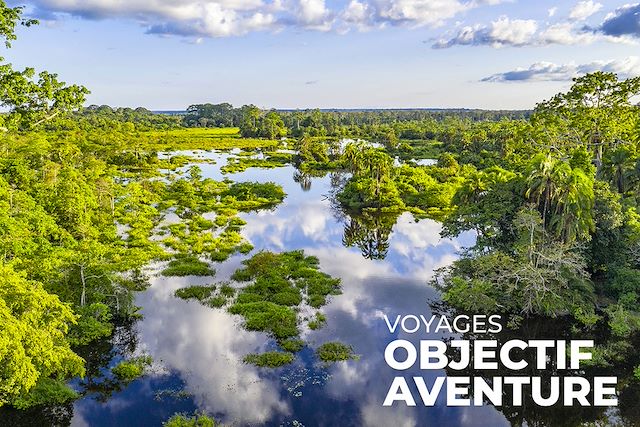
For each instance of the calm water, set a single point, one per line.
(198, 351)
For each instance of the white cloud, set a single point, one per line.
(313, 14)
(564, 33)
(548, 71)
(358, 14)
(502, 32)
(206, 348)
(420, 12)
(223, 18)
(516, 32)
(208, 18)
(584, 9)
(552, 11)
(624, 68)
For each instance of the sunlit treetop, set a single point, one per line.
(598, 109)
(31, 99)
(9, 18)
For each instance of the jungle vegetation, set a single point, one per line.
(88, 202)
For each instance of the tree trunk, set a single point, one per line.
(83, 297)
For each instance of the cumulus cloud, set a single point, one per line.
(517, 32)
(196, 18)
(359, 15)
(222, 18)
(313, 14)
(564, 33)
(502, 32)
(548, 71)
(624, 21)
(584, 9)
(420, 12)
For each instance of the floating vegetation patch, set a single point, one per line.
(207, 294)
(292, 345)
(227, 290)
(280, 285)
(279, 321)
(285, 279)
(187, 265)
(335, 352)
(271, 160)
(217, 301)
(270, 359)
(200, 293)
(185, 420)
(318, 321)
(131, 369)
(218, 237)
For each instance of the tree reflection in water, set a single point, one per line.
(304, 179)
(370, 233)
(99, 383)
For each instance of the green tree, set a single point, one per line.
(30, 99)
(596, 112)
(33, 325)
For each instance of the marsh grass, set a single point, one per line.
(217, 301)
(271, 160)
(185, 420)
(278, 320)
(292, 345)
(335, 352)
(203, 139)
(187, 265)
(200, 293)
(318, 321)
(271, 359)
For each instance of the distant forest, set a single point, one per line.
(380, 124)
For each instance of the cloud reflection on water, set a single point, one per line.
(204, 347)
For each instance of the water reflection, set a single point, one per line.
(370, 233)
(206, 348)
(384, 264)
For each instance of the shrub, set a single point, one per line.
(292, 345)
(268, 317)
(195, 292)
(129, 370)
(183, 420)
(318, 321)
(188, 265)
(271, 359)
(334, 352)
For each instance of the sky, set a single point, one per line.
(168, 54)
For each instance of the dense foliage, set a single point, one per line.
(88, 201)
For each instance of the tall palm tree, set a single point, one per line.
(546, 174)
(619, 167)
(474, 187)
(574, 206)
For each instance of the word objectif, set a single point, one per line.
(444, 369)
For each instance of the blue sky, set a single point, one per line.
(165, 54)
